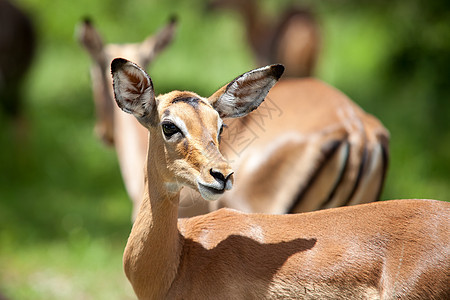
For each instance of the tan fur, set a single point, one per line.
(385, 250)
(375, 251)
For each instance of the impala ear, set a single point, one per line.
(133, 89)
(245, 93)
(91, 40)
(154, 44)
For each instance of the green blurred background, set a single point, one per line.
(64, 212)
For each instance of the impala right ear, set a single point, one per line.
(133, 89)
(246, 92)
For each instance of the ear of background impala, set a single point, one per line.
(154, 44)
(291, 37)
(91, 40)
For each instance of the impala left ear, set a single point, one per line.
(133, 89)
(245, 93)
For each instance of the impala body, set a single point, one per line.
(383, 250)
(312, 148)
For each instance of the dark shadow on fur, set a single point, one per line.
(253, 261)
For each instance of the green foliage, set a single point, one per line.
(64, 213)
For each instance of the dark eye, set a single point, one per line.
(221, 130)
(169, 129)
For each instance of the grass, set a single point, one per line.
(79, 268)
(64, 214)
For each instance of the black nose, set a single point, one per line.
(219, 176)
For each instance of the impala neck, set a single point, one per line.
(153, 249)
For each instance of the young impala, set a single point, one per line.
(112, 125)
(383, 250)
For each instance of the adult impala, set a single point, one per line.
(307, 147)
(383, 250)
(112, 125)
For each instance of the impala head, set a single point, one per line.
(142, 53)
(185, 128)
